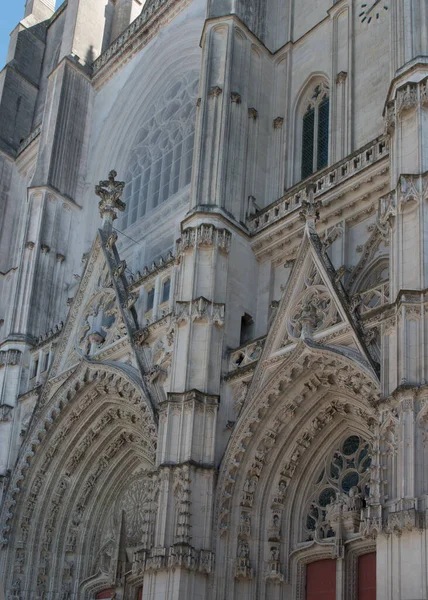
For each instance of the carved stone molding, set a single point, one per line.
(180, 555)
(192, 397)
(405, 520)
(109, 380)
(10, 358)
(200, 309)
(205, 235)
(407, 97)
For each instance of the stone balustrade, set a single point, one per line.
(121, 42)
(374, 298)
(246, 355)
(323, 181)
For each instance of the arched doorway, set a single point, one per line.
(87, 484)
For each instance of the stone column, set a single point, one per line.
(403, 217)
(223, 125)
(182, 552)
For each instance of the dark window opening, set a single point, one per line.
(315, 135)
(308, 143)
(150, 299)
(35, 368)
(247, 328)
(166, 290)
(323, 124)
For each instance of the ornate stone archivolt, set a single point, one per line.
(286, 414)
(80, 432)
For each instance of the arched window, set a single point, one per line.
(160, 162)
(315, 129)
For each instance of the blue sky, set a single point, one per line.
(11, 13)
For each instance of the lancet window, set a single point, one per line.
(341, 486)
(160, 163)
(315, 130)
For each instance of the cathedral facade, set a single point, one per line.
(213, 301)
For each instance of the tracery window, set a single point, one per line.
(160, 162)
(315, 130)
(344, 479)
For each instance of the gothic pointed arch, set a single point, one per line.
(311, 131)
(83, 484)
(309, 407)
(315, 387)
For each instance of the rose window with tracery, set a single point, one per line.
(342, 482)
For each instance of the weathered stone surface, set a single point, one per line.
(222, 379)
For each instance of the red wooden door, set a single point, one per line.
(367, 576)
(105, 594)
(321, 580)
(140, 594)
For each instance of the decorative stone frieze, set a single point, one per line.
(180, 555)
(200, 309)
(205, 235)
(405, 520)
(407, 97)
(10, 358)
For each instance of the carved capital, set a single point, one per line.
(253, 113)
(215, 91)
(341, 77)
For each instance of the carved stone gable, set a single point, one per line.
(315, 311)
(97, 322)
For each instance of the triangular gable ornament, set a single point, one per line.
(314, 312)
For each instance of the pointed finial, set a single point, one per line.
(110, 192)
(310, 211)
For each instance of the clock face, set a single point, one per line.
(372, 10)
